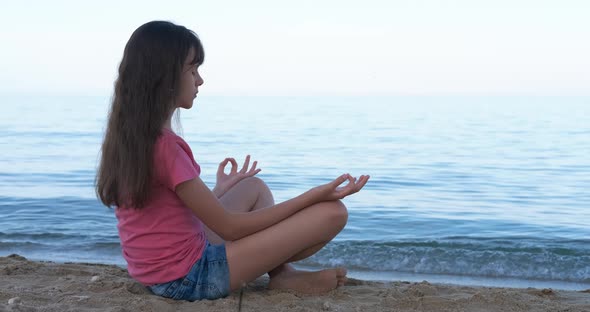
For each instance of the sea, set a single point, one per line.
(468, 190)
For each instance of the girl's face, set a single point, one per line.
(189, 83)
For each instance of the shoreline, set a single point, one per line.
(49, 286)
(465, 280)
(388, 276)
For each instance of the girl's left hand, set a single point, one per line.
(227, 181)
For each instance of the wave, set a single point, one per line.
(551, 260)
(55, 238)
(554, 260)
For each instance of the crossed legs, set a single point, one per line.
(271, 250)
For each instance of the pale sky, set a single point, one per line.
(257, 47)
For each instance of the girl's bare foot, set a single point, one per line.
(341, 276)
(309, 282)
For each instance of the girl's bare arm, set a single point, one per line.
(232, 226)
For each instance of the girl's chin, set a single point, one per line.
(187, 104)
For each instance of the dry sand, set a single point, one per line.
(45, 286)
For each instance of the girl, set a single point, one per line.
(179, 238)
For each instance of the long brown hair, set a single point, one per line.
(144, 98)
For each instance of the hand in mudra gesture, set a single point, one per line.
(227, 181)
(333, 190)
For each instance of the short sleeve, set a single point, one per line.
(174, 165)
(182, 169)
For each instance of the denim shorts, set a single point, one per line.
(207, 279)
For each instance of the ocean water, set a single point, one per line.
(469, 190)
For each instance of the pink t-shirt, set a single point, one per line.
(163, 240)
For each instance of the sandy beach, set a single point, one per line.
(47, 286)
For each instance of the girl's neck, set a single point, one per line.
(168, 123)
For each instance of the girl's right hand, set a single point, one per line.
(227, 181)
(333, 191)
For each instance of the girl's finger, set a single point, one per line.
(222, 165)
(253, 167)
(339, 180)
(350, 186)
(360, 183)
(253, 173)
(246, 164)
(234, 165)
(347, 189)
(354, 185)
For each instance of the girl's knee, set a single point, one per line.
(337, 214)
(255, 183)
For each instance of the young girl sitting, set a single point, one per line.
(179, 238)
